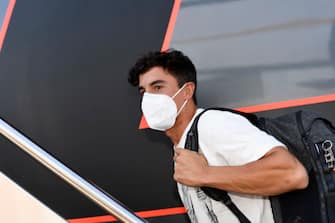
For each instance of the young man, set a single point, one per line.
(234, 155)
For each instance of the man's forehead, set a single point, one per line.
(155, 75)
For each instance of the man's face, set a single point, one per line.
(159, 81)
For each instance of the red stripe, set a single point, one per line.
(170, 28)
(5, 23)
(289, 103)
(143, 214)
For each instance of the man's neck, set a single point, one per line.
(183, 119)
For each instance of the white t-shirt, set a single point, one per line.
(227, 139)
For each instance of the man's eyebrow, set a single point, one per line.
(141, 88)
(157, 82)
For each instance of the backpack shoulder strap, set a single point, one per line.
(192, 143)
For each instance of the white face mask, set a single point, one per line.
(160, 110)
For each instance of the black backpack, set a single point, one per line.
(311, 139)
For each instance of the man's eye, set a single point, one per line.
(158, 88)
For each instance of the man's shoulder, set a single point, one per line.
(217, 117)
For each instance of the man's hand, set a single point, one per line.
(190, 167)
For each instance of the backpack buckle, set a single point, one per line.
(327, 147)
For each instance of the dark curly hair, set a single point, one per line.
(173, 61)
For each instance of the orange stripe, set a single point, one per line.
(166, 43)
(256, 108)
(277, 105)
(170, 28)
(5, 23)
(289, 103)
(143, 123)
(143, 214)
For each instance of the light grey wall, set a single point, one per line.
(3, 7)
(260, 51)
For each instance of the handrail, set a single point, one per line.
(101, 198)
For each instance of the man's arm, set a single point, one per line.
(276, 172)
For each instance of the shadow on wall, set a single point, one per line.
(330, 82)
(332, 46)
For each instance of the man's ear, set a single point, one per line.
(189, 90)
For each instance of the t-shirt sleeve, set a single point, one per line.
(234, 138)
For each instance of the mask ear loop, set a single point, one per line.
(178, 91)
(184, 104)
(182, 107)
